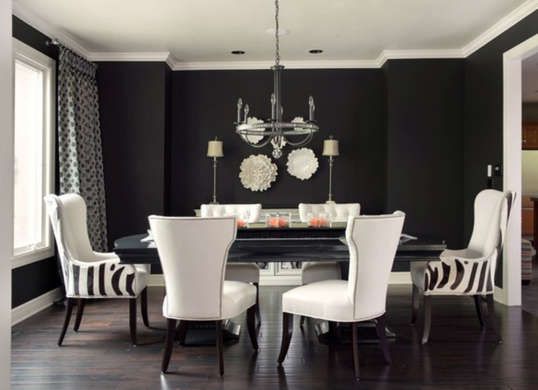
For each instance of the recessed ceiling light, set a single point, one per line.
(315, 51)
(237, 52)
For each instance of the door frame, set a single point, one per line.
(510, 293)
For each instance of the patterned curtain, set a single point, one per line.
(79, 140)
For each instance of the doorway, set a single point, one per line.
(510, 293)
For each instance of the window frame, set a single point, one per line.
(30, 56)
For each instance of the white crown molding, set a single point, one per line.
(320, 64)
(46, 28)
(417, 54)
(501, 26)
(498, 28)
(130, 56)
(291, 64)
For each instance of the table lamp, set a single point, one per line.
(330, 149)
(214, 150)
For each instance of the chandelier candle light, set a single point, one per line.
(275, 130)
(214, 149)
(330, 149)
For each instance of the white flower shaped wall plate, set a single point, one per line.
(257, 172)
(252, 137)
(302, 163)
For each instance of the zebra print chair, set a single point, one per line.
(87, 274)
(470, 271)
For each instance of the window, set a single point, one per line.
(34, 113)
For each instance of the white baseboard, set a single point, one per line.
(400, 278)
(34, 306)
(156, 280)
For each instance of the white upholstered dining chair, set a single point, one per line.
(470, 271)
(88, 274)
(248, 213)
(372, 242)
(336, 212)
(193, 253)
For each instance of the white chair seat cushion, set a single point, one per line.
(326, 300)
(236, 298)
(318, 271)
(243, 272)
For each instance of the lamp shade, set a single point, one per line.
(214, 148)
(330, 147)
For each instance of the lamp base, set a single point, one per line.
(330, 202)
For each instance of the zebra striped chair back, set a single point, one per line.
(88, 274)
(471, 271)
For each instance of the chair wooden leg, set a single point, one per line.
(218, 327)
(355, 347)
(132, 319)
(415, 304)
(478, 307)
(301, 321)
(427, 319)
(383, 343)
(182, 331)
(287, 330)
(332, 331)
(144, 306)
(251, 326)
(70, 302)
(80, 312)
(492, 321)
(169, 344)
(258, 314)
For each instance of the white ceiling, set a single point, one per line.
(207, 30)
(530, 79)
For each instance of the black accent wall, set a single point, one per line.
(424, 145)
(483, 129)
(483, 123)
(350, 105)
(133, 114)
(35, 279)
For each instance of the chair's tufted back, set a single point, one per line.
(337, 212)
(249, 213)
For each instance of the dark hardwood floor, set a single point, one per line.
(459, 355)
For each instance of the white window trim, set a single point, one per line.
(25, 53)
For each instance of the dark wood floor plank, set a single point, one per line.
(458, 356)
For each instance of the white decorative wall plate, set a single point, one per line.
(257, 172)
(252, 137)
(302, 163)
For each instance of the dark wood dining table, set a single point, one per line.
(259, 244)
(263, 244)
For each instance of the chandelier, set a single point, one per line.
(259, 133)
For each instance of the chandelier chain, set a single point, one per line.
(277, 38)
